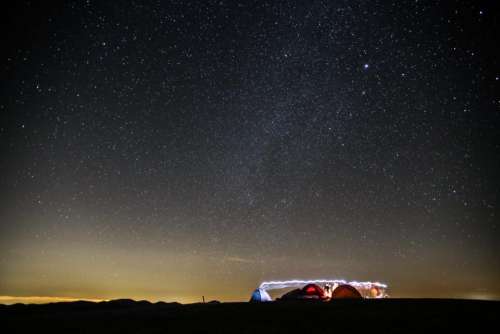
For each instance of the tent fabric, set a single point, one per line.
(314, 290)
(292, 295)
(346, 291)
(260, 295)
(308, 292)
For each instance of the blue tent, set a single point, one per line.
(260, 295)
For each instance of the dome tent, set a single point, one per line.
(308, 292)
(321, 289)
(314, 291)
(346, 291)
(292, 295)
(260, 295)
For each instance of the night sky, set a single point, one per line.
(169, 150)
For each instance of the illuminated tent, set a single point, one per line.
(314, 291)
(260, 295)
(310, 291)
(346, 291)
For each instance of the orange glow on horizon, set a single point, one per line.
(8, 300)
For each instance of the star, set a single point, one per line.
(287, 135)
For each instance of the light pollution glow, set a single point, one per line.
(8, 300)
(200, 155)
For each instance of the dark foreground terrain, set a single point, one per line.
(126, 316)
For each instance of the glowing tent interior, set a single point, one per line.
(320, 289)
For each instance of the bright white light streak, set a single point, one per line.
(271, 285)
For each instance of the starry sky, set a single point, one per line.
(166, 150)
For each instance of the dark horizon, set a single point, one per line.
(170, 150)
(356, 316)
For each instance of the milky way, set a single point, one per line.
(169, 150)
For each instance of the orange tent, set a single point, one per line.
(346, 291)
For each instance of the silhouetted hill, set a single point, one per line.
(128, 316)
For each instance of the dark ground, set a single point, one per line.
(126, 316)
